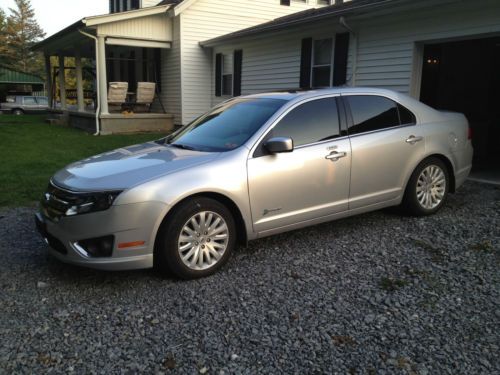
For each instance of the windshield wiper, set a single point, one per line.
(180, 145)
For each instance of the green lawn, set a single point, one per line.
(31, 151)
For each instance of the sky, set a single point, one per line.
(55, 15)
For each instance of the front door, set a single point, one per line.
(308, 183)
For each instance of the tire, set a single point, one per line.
(17, 112)
(181, 238)
(427, 188)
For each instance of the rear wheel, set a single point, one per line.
(196, 240)
(17, 112)
(428, 188)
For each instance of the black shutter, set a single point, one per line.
(111, 6)
(340, 59)
(285, 2)
(305, 63)
(218, 74)
(237, 65)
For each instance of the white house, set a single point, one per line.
(156, 42)
(443, 52)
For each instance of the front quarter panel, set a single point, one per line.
(226, 175)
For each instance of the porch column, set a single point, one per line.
(79, 82)
(48, 73)
(103, 79)
(62, 82)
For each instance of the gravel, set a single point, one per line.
(378, 293)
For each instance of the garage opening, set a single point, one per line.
(464, 76)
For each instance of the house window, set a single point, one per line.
(324, 2)
(321, 70)
(285, 2)
(227, 75)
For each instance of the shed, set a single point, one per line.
(13, 82)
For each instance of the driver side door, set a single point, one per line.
(308, 183)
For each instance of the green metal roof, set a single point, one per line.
(12, 76)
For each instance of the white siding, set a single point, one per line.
(156, 27)
(272, 63)
(171, 75)
(386, 45)
(149, 3)
(207, 19)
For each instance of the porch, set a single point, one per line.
(87, 61)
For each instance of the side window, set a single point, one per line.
(406, 116)
(42, 101)
(371, 113)
(310, 122)
(29, 100)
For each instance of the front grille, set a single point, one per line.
(57, 201)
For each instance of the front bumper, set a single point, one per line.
(127, 223)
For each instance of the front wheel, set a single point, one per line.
(18, 112)
(196, 240)
(427, 188)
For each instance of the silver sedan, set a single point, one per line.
(252, 167)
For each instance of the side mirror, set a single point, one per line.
(277, 145)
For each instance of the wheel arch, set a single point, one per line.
(449, 166)
(447, 162)
(241, 232)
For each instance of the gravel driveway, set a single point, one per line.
(374, 294)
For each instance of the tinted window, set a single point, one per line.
(406, 116)
(372, 113)
(310, 122)
(227, 126)
(29, 100)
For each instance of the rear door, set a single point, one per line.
(386, 145)
(42, 103)
(29, 104)
(308, 183)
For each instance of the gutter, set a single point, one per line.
(98, 76)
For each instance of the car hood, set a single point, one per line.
(126, 167)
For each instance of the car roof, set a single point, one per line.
(305, 94)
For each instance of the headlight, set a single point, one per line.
(92, 202)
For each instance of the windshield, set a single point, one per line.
(227, 126)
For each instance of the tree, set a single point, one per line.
(3, 39)
(22, 31)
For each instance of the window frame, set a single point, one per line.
(332, 57)
(350, 120)
(225, 57)
(257, 149)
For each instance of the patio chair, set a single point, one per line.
(145, 96)
(117, 95)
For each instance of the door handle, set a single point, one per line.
(412, 139)
(335, 155)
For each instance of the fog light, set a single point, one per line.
(97, 247)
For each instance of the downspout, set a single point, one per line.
(98, 109)
(344, 24)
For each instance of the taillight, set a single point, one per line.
(469, 133)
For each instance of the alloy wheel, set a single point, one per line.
(431, 187)
(203, 240)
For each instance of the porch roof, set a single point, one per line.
(139, 28)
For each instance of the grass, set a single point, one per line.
(31, 151)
